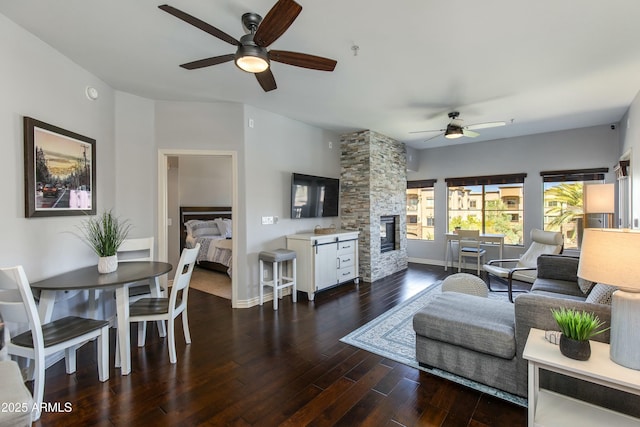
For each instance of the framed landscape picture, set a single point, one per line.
(60, 172)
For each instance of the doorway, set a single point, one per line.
(164, 156)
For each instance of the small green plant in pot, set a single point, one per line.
(104, 234)
(577, 328)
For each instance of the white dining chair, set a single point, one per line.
(161, 309)
(469, 246)
(141, 249)
(19, 312)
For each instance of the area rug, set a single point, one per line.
(211, 282)
(391, 335)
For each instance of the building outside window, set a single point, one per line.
(563, 195)
(491, 204)
(420, 210)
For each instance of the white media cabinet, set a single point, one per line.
(324, 260)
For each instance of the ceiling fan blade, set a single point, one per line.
(276, 22)
(470, 133)
(189, 19)
(433, 137)
(303, 60)
(425, 131)
(266, 80)
(485, 125)
(207, 62)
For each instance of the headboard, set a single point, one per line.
(200, 212)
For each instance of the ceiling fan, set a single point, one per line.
(251, 54)
(457, 129)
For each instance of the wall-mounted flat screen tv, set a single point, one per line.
(314, 196)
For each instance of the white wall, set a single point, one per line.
(267, 155)
(195, 127)
(136, 163)
(275, 147)
(205, 181)
(573, 149)
(37, 81)
(630, 141)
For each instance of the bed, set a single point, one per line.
(211, 227)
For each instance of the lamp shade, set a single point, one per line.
(599, 198)
(610, 256)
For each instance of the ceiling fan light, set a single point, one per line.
(453, 132)
(252, 59)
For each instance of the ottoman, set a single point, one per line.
(466, 284)
(470, 336)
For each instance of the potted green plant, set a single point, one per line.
(104, 234)
(577, 328)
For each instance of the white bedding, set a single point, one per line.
(213, 249)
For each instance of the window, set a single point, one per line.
(562, 201)
(495, 205)
(420, 210)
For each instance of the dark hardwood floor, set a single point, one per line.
(264, 368)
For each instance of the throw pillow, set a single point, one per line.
(190, 224)
(585, 285)
(224, 225)
(601, 294)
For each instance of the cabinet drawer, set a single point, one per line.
(345, 274)
(346, 260)
(347, 247)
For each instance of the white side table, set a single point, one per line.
(547, 408)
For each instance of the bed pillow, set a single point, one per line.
(224, 225)
(189, 225)
(205, 228)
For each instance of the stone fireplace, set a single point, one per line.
(373, 185)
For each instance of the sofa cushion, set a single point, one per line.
(558, 267)
(483, 325)
(557, 286)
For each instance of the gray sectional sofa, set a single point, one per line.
(483, 339)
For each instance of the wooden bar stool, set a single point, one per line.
(279, 281)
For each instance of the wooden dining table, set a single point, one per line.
(89, 278)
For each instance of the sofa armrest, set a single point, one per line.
(558, 267)
(534, 311)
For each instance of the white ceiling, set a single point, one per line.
(547, 64)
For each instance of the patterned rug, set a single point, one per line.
(391, 335)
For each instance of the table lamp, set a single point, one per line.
(611, 256)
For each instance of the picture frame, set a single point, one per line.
(59, 171)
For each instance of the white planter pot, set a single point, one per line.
(107, 264)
